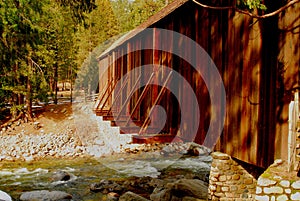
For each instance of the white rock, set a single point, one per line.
(273, 190)
(4, 196)
(282, 198)
(285, 183)
(45, 195)
(265, 182)
(262, 198)
(288, 191)
(295, 196)
(258, 190)
(28, 158)
(296, 185)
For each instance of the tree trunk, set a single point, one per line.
(71, 98)
(29, 92)
(20, 99)
(29, 99)
(55, 82)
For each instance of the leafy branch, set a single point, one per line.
(251, 7)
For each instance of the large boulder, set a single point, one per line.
(189, 187)
(161, 194)
(130, 196)
(198, 150)
(183, 189)
(187, 198)
(45, 195)
(112, 196)
(61, 176)
(4, 196)
(106, 186)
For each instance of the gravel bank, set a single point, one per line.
(34, 147)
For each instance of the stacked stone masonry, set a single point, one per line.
(275, 185)
(230, 181)
(277, 190)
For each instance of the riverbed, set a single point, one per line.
(19, 177)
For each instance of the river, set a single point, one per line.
(18, 177)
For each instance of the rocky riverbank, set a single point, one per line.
(61, 132)
(144, 172)
(67, 145)
(35, 147)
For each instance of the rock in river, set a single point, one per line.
(106, 186)
(198, 150)
(4, 196)
(45, 195)
(189, 187)
(61, 176)
(130, 196)
(183, 189)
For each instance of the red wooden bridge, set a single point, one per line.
(258, 61)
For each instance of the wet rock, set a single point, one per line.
(45, 195)
(112, 196)
(187, 198)
(36, 125)
(161, 194)
(130, 196)
(61, 176)
(198, 150)
(154, 183)
(4, 196)
(106, 186)
(144, 183)
(189, 187)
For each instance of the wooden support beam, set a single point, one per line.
(139, 101)
(110, 92)
(103, 95)
(118, 94)
(128, 97)
(145, 124)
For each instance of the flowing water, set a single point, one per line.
(18, 177)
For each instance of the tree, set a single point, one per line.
(36, 46)
(57, 51)
(100, 26)
(20, 35)
(130, 14)
(248, 7)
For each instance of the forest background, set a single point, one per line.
(43, 43)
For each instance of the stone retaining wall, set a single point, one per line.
(275, 185)
(277, 189)
(230, 181)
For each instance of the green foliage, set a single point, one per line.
(251, 5)
(130, 14)
(78, 9)
(15, 109)
(101, 26)
(45, 41)
(34, 36)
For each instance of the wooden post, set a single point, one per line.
(292, 138)
(156, 63)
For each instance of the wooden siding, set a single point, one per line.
(258, 62)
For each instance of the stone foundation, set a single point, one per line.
(230, 181)
(276, 184)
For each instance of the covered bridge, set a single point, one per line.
(256, 59)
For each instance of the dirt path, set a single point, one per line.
(52, 118)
